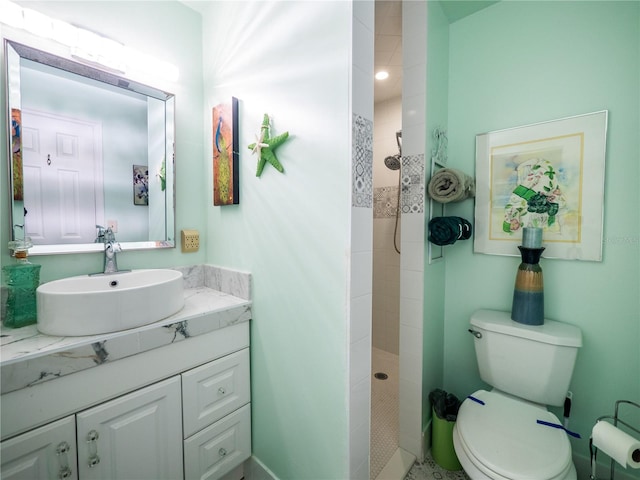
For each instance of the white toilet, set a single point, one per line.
(498, 434)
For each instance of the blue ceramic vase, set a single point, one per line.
(528, 293)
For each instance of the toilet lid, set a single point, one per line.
(504, 436)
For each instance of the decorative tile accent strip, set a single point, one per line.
(385, 202)
(362, 162)
(413, 182)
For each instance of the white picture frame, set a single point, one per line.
(548, 175)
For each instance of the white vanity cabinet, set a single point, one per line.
(203, 414)
(179, 411)
(45, 453)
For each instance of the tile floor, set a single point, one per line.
(430, 470)
(384, 409)
(384, 423)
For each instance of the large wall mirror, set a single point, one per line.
(87, 148)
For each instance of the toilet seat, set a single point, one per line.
(501, 437)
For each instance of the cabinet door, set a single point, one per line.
(219, 448)
(41, 454)
(137, 436)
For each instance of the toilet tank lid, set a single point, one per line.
(551, 332)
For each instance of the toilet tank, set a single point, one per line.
(533, 362)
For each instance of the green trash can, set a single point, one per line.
(442, 449)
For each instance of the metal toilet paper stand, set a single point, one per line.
(616, 420)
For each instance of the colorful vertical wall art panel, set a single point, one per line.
(226, 185)
(16, 153)
(140, 185)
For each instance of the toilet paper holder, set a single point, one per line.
(616, 421)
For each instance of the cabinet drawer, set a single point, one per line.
(214, 390)
(216, 450)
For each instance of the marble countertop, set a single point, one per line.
(28, 357)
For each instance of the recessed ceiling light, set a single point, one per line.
(382, 75)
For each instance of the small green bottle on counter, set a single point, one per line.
(22, 280)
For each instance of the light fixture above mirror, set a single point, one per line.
(87, 46)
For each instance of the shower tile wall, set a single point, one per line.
(414, 128)
(386, 261)
(359, 331)
(386, 271)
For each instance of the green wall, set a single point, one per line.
(166, 30)
(437, 115)
(517, 63)
(291, 230)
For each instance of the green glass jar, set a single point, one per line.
(22, 280)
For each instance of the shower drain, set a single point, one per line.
(381, 376)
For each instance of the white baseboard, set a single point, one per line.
(426, 441)
(603, 471)
(235, 474)
(398, 467)
(254, 469)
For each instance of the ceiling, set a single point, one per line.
(388, 49)
(388, 39)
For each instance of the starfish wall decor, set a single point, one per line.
(265, 145)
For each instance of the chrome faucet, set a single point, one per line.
(111, 247)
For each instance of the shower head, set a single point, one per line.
(393, 162)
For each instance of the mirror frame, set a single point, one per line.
(12, 79)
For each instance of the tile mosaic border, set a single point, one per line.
(385, 202)
(413, 184)
(362, 162)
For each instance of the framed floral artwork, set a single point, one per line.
(548, 175)
(226, 185)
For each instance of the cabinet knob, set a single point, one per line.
(222, 452)
(93, 461)
(222, 391)
(64, 473)
(62, 448)
(92, 436)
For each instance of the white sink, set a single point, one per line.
(94, 304)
